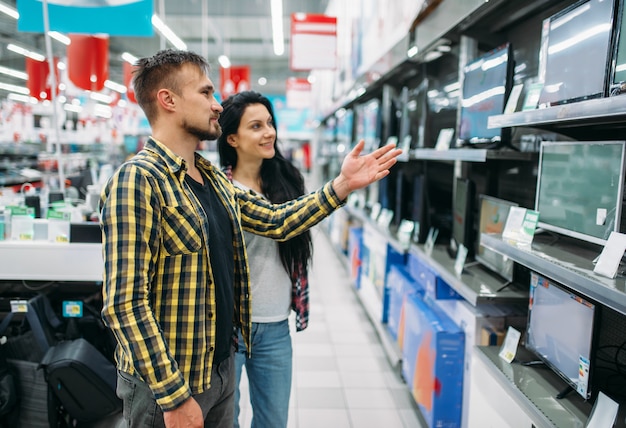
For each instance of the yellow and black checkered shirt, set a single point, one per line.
(158, 291)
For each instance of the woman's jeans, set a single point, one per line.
(269, 374)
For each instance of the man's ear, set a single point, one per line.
(165, 98)
(231, 140)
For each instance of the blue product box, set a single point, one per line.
(435, 286)
(432, 362)
(401, 285)
(355, 256)
(394, 258)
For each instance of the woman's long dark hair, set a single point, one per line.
(280, 180)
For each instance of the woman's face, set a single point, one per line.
(256, 135)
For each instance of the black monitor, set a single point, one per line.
(462, 215)
(577, 57)
(414, 112)
(560, 331)
(579, 188)
(618, 64)
(493, 213)
(417, 208)
(486, 87)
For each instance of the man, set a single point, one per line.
(176, 286)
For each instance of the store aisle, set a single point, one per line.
(342, 377)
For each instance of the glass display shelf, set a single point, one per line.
(567, 262)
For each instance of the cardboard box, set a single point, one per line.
(427, 277)
(432, 362)
(401, 286)
(355, 256)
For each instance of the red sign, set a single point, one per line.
(88, 61)
(313, 42)
(298, 93)
(128, 79)
(234, 79)
(39, 80)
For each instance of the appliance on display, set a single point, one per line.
(417, 207)
(560, 332)
(462, 216)
(368, 124)
(487, 83)
(618, 64)
(344, 126)
(579, 188)
(414, 112)
(583, 30)
(493, 213)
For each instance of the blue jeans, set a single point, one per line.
(269, 374)
(142, 411)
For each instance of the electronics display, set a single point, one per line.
(417, 208)
(618, 71)
(579, 188)
(344, 124)
(462, 214)
(493, 213)
(582, 30)
(486, 86)
(560, 331)
(368, 124)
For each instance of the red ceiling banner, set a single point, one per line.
(39, 80)
(313, 42)
(88, 61)
(298, 93)
(128, 81)
(234, 79)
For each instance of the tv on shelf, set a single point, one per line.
(462, 216)
(486, 87)
(577, 57)
(580, 187)
(560, 331)
(493, 213)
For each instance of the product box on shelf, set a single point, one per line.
(378, 257)
(435, 286)
(338, 230)
(401, 286)
(433, 361)
(355, 256)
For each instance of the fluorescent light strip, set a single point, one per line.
(115, 86)
(25, 52)
(277, 27)
(14, 88)
(130, 58)
(13, 73)
(74, 108)
(107, 99)
(8, 10)
(224, 61)
(59, 37)
(168, 33)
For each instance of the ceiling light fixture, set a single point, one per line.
(60, 37)
(22, 98)
(277, 27)
(14, 88)
(168, 33)
(8, 10)
(115, 86)
(224, 61)
(22, 51)
(130, 58)
(13, 73)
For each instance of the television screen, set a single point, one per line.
(413, 120)
(486, 86)
(417, 207)
(618, 72)
(368, 123)
(345, 118)
(577, 56)
(560, 331)
(579, 188)
(462, 214)
(493, 213)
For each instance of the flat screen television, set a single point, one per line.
(344, 125)
(493, 213)
(577, 58)
(462, 215)
(618, 64)
(368, 124)
(414, 112)
(560, 331)
(486, 87)
(417, 208)
(579, 188)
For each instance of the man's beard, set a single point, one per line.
(203, 134)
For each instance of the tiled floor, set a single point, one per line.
(342, 376)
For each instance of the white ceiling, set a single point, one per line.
(239, 28)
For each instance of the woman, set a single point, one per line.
(278, 270)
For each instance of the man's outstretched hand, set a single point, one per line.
(359, 171)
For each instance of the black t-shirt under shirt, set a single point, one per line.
(221, 256)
